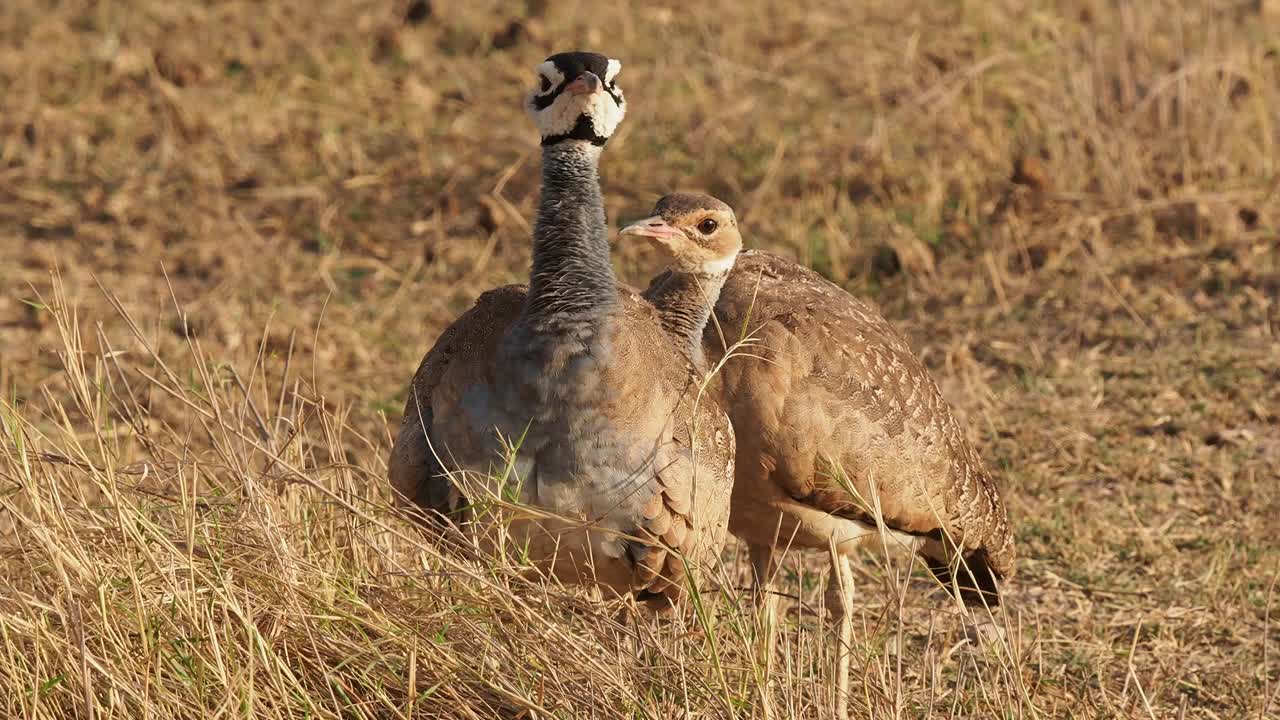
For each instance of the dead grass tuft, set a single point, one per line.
(229, 231)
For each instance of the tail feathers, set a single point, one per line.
(973, 575)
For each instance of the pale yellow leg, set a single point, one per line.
(762, 570)
(840, 605)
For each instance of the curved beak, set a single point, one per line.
(652, 227)
(585, 84)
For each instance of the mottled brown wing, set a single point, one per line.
(415, 468)
(852, 409)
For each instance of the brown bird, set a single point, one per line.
(567, 393)
(843, 437)
(698, 238)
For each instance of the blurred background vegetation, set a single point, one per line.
(1071, 208)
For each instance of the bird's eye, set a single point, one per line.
(546, 84)
(708, 226)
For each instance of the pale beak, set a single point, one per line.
(653, 227)
(585, 84)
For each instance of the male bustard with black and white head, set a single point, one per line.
(577, 98)
(632, 470)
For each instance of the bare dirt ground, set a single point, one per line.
(228, 232)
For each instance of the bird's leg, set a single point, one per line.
(763, 566)
(840, 604)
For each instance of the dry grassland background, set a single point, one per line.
(229, 231)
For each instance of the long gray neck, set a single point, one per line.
(572, 283)
(684, 302)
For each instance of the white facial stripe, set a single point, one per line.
(559, 117)
(552, 73)
(606, 114)
(612, 71)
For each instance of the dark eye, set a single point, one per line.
(546, 84)
(708, 226)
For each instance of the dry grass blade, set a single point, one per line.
(229, 230)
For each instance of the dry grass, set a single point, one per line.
(261, 215)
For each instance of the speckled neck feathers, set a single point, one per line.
(572, 285)
(684, 302)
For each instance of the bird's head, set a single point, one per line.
(577, 98)
(696, 233)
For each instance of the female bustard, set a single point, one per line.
(840, 427)
(698, 237)
(575, 370)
